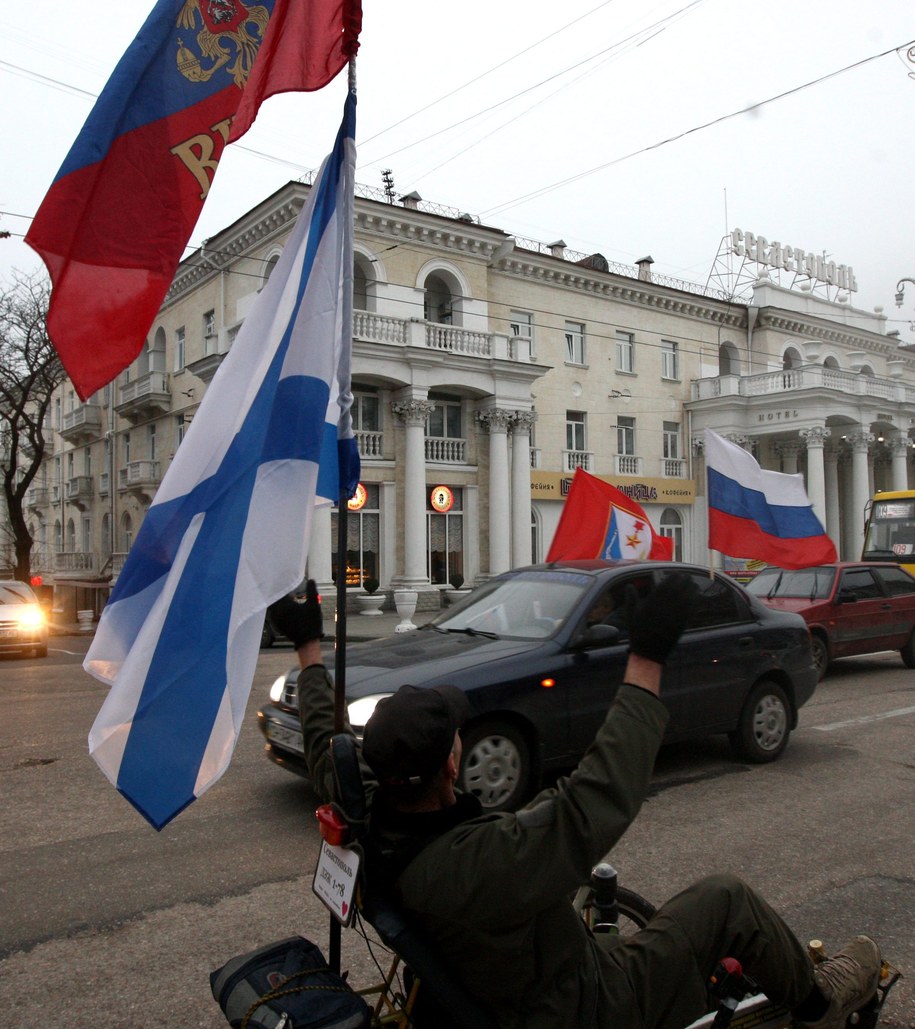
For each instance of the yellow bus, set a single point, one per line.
(889, 533)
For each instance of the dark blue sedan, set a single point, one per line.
(540, 652)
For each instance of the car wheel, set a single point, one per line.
(763, 731)
(495, 765)
(908, 652)
(820, 654)
(267, 637)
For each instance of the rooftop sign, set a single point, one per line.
(792, 259)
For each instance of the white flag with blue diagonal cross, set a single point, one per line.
(227, 532)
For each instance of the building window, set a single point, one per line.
(126, 448)
(70, 470)
(670, 359)
(363, 533)
(625, 436)
(155, 358)
(575, 342)
(179, 430)
(445, 421)
(521, 326)
(366, 412)
(671, 433)
(179, 349)
(625, 351)
(151, 432)
(445, 537)
(209, 332)
(87, 461)
(576, 434)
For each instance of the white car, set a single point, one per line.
(23, 624)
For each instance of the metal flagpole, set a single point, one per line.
(334, 936)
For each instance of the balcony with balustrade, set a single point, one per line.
(448, 339)
(370, 444)
(834, 381)
(673, 468)
(79, 492)
(627, 464)
(82, 424)
(572, 459)
(445, 450)
(145, 397)
(140, 477)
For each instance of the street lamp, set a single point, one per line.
(900, 290)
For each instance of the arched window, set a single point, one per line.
(157, 351)
(71, 536)
(126, 533)
(791, 359)
(671, 525)
(438, 301)
(269, 265)
(728, 360)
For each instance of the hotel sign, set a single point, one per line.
(556, 485)
(792, 259)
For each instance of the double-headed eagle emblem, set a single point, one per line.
(225, 29)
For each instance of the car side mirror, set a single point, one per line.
(598, 636)
(847, 597)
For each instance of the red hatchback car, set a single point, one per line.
(851, 607)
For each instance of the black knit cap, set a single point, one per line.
(410, 734)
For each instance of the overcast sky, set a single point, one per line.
(537, 94)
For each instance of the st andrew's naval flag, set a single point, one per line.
(227, 533)
(756, 513)
(598, 520)
(118, 216)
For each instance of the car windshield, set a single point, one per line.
(16, 593)
(532, 605)
(807, 583)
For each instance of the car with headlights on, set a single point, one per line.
(850, 607)
(23, 624)
(540, 653)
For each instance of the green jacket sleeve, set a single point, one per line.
(525, 862)
(316, 715)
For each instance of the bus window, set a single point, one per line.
(890, 530)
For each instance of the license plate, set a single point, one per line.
(291, 739)
(9, 634)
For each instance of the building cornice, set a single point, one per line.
(794, 324)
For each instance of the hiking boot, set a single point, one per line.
(847, 980)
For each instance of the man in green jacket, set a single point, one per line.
(493, 890)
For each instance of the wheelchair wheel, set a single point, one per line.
(635, 910)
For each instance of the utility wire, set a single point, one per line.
(498, 208)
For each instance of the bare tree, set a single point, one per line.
(30, 371)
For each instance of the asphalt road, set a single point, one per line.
(106, 923)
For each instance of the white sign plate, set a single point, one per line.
(335, 880)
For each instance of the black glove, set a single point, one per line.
(300, 621)
(657, 619)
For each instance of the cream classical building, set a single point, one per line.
(486, 369)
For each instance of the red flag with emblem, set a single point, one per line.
(116, 220)
(599, 520)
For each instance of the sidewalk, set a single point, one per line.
(359, 628)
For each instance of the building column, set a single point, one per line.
(831, 485)
(815, 439)
(414, 411)
(497, 421)
(900, 445)
(789, 453)
(860, 488)
(320, 550)
(521, 488)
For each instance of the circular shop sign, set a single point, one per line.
(442, 499)
(359, 499)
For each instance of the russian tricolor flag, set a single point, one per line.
(760, 514)
(227, 533)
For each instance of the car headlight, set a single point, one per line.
(31, 618)
(276, 690)
(360, 711)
